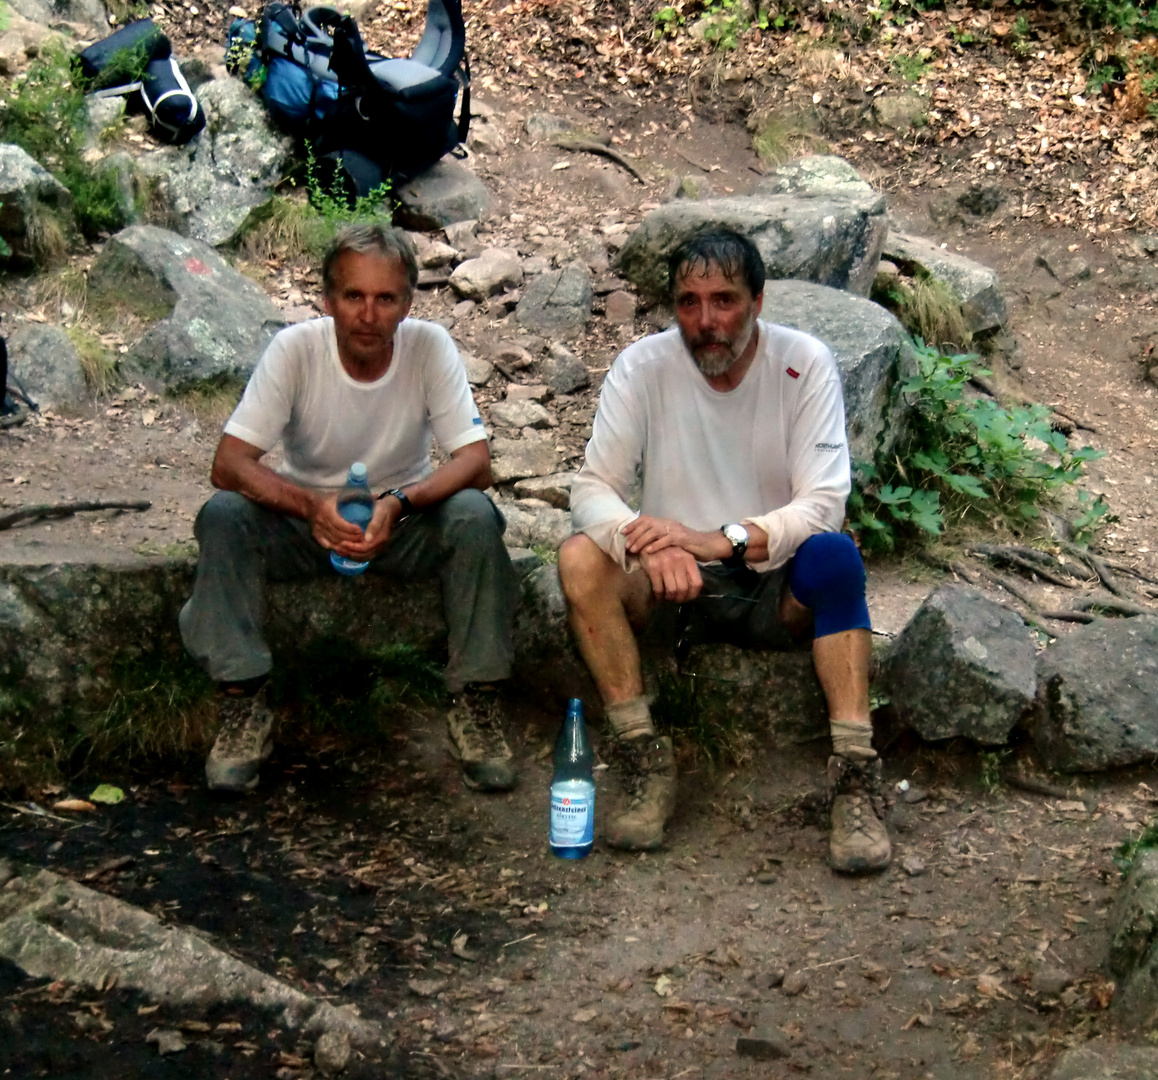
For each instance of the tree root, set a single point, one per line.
(62, 510)
(589, 146)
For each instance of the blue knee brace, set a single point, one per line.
(827, 576)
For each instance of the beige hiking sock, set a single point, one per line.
(630, 719)
(852, 740)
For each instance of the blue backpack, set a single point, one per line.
(369, 118)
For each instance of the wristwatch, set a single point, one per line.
(737, 536)
(400, 495)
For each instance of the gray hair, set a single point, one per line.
(370, 239)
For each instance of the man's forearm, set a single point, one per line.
(469, 468)
(264, 486)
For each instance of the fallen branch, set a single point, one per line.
(589, 146)
(692, 161)
(1034, 787)
(62, 510)
(1069, 616)
(1025, 559)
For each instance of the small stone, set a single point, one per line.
(769, 980)
(915, 794)
(563, 371)
(585, 1016)
(463, 308)
(460, 233)
(167, 1040)
(426, 988)
(1051, 981)
(553, 490)
(620, 308)
(913, 866)
(513, 357)
(436, 254)
(528, 392)
(478, 371)
(332, 1052)
(521, 414)
(494, 271)
(796, 983)
(763, 1047)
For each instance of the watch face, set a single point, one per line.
(736, 534)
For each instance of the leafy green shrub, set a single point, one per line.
(910, 66)
(964, 457)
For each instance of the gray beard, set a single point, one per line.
(715, 364)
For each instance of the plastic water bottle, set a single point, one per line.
(572, 789)
(356, 505)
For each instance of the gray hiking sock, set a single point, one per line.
(631, 719)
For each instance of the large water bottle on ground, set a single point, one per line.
(573, 789)
(356, 505)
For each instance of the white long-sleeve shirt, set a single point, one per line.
(772, 452)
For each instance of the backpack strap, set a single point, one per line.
(464, 107)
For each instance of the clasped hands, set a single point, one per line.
(335, 533)
(670, 554)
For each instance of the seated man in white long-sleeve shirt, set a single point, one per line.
(737, 427)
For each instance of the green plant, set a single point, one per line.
(1094, 515)
(1146, 840)
(926, 307)
(910, 66)
(341, 690)
(548, 553)
(667, 21)
(1019, 38)
(677, 712)
(990, 763)
(96, 361)
(962, 456)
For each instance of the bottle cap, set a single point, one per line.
(357, 473)
(575, 707)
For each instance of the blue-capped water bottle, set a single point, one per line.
(356, 505)
(573, 789)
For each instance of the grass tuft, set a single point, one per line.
(97, 362)
(780, 139)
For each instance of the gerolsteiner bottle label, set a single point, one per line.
(572, 813)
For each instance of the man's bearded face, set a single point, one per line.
(717, 318)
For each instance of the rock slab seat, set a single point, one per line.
(962, 667)
(210, 320)
(1096, 692)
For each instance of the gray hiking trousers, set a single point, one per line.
(243, 545)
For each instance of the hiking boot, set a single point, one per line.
(649, 777)
(476, 733)
(858, 842)
(242, 744)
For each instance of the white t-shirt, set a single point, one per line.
(772, 452)
(300, 393)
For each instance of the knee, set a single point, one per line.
(583, 567)
(827, 564)
(224, 514)
(469, 516)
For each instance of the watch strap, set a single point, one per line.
(400, 495)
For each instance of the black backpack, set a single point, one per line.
(369, 118)
(161, 92)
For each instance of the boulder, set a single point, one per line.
(1096, 692)
(555, 489)
(210, 320)
(975, 286)
(212, 183)
(13, 53)
(1100, 1059)
(36, 214)
(833, 240)
(563, 371)
(446, 193)
(817, 174)
(558, 302)
(532, 455)
(89, 13)
(520, 414)
(962, 667)
(42, 359)
(532, 523)
(871, 347)
(1133, 939)
(494, 271)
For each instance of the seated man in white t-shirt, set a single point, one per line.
(737, 428)
(364, 384)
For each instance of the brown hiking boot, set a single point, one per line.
(649, 777)
(476, 733)
(858, 842)
(242, 744)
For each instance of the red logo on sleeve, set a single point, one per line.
(793, 372)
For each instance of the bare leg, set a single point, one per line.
(604, 604)
(841, 660)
